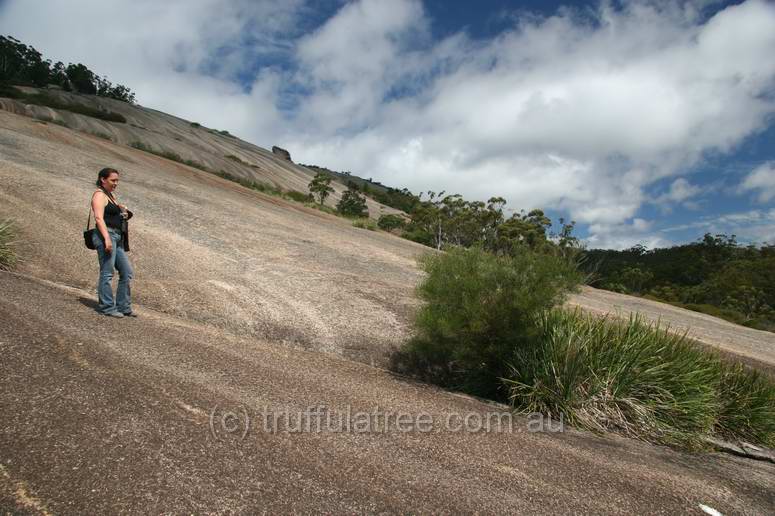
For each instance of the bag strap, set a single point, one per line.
(109, 196)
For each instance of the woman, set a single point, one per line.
(110, 217)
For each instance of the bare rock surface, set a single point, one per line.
(249, 301)
(112, 416)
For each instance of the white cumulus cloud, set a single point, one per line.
(581, 112)
(762, 181)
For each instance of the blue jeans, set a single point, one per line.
(108, 261)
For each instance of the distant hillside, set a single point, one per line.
(399, 199)
(187, 142)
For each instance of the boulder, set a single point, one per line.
(282, 153)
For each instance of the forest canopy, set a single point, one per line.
(715, 275)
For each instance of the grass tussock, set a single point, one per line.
(639, 380)
(746, 405)
(8, 257)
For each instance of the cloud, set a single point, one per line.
(762, 180)
(580, 112)
(563, 112)
(756, 226)
(181, 57)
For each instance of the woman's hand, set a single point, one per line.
(109, 245)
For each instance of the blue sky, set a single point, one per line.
(647, 121)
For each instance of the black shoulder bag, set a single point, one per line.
(87, 235)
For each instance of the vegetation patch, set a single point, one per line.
(169, 155)
(640, 380)
(479, 308)
(365, 223)
(391, 222)
(237, 159)
(99, 134)
(352, 204)
(253, 185)
(8, 257)
(222, 133)
(42, 99)
(714, 275)
(491, 326)
(298, 196)
(8, 91)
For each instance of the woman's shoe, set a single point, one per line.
(129, 314)
(114, 314)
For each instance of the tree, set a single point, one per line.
(352, 203)
(82, 79)
(320, 186)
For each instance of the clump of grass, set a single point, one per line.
(639, 380)
(195, 125)
(8, 258)
(365, 223)
(747, 405)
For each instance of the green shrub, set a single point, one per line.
(195, 124)
(390, 222)
(8, 256)
(418, 235)
(479, 309)
(639, 380)
(365, 224)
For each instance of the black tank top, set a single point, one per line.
(112, 215)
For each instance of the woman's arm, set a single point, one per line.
(98, 202)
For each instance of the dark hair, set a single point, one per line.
(104, 174)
